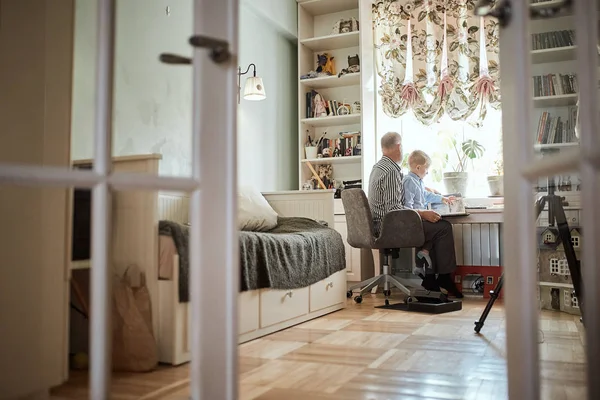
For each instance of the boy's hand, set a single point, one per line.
(449, 200)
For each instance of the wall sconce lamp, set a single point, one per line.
(254, 88)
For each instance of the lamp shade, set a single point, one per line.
(254, 89)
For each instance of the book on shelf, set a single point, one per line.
(551, 40)
(553, 130)
(348, 144)
(554, 85)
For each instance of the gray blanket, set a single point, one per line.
(296, 253)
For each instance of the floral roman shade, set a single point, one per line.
(435, 57)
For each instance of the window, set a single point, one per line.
(549, 237)
(563, 268)
(567, 298)
(415, 136)
(554, 269)
(574, 300)
(575, 241)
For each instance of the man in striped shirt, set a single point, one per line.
(385, 195)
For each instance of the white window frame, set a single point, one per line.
(214, 261)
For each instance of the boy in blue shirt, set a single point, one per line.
(417, 197)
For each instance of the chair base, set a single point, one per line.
(415, 295)
(425, 307)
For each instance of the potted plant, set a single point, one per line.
(496, 181)
(458, 180)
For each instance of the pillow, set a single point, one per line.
(254, 212)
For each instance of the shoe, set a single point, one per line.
(445, 282)
(429, 283)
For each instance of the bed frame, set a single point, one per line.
(262, 311)
(135, 242)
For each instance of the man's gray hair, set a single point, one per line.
(390, 139)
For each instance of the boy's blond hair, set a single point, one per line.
(419, 157)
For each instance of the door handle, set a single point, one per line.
(219, 51)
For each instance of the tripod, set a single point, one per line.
(556, 215)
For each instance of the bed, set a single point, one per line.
(289, 274)
(263, 307)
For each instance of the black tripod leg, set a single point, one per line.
(565, 237)
(493, 296)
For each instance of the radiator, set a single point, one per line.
(478, 244)
(174, 207)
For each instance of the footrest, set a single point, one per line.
(426, 307)
(427, 296)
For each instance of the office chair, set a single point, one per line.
(399, 229)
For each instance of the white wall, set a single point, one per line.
(153, 100)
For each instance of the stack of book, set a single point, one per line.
(550, 40)
(554, 85)
(552, 130)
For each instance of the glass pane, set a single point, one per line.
(559, 244)
(152, 100)
(35, 83)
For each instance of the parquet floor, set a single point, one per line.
(367, 353)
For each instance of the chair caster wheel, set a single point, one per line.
(387, 302)
(358, 299)
(408, 299)
(387, 293)
(349, 294)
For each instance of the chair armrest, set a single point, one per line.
(401, 228)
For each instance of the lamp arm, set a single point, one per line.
(247, 70)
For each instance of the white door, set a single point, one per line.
(523, 171)
(213, 261)
(35, 103)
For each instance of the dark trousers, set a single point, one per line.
(439, 240)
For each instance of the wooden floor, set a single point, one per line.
(367, 353)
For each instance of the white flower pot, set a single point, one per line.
(496, 183)
(456, 182)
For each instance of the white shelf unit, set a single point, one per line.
(555, 60)
(316, 19)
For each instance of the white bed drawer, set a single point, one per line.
(248, 308)
(328, 292)
(281, 305)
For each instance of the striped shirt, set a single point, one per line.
(385, 190)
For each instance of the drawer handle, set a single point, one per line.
(329, 285)
(290, 293)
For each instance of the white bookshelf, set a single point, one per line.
(555, 60)
(316, 19)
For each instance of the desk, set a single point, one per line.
(494, 215)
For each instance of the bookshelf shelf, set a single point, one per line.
(332, 81)
(334, 160)
(320, 7)
(336, 120)
(556, 54)
(330, 42)
(554, 146)
(551, 3)
(555, 101)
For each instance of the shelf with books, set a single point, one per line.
(335, 120)
(333, 160)
(333, 81)
(329, 42)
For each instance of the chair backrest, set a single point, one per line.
(359, 220)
